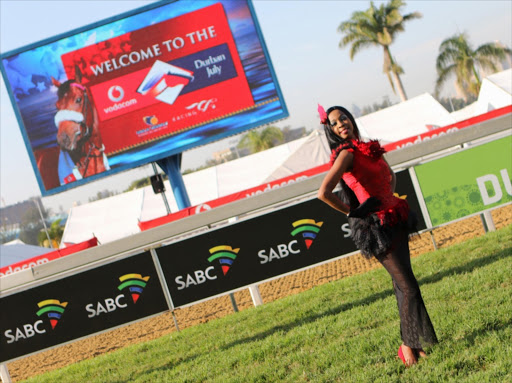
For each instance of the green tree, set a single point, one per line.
(457, 58)
(265, 139)
(55, 233)
(378, 27)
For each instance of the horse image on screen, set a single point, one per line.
(81, 148)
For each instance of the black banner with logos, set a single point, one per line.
(253, 250)
(79, 305)
(261, 248)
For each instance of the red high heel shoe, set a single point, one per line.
(401, 355)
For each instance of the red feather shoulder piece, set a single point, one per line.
(371, 149)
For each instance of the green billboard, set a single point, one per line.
(467, 182)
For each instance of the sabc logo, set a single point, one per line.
(53, 309)
(308, 229)
(225, 254)
(133, 284)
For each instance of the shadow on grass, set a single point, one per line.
(461, 269)
(486, 328)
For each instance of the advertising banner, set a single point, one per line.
(437, 132)
(404, 184)
(149, 84)
(145, 225)
(260, 248)
(467, 182)
(79, 305)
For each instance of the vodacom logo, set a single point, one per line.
(115, 93)
(202, 207)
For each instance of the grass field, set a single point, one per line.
(343, 331)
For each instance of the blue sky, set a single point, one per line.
(302, 41)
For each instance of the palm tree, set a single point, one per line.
(258, 141)
(457, 57)
(378, 27)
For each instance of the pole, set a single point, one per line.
(165, 288)
(4, 374)
(487, 221)
(171, 166)
(255, 295)
(233, 302)
(44, 223)
(167, 208)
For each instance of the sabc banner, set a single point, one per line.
(145, 86)
(467, 182)
(261, 248)
(79, 305)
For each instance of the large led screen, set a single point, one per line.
(143, 86)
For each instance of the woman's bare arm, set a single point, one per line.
(342, 164)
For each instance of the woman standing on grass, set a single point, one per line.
(380, 222)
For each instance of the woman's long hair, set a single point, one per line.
(345, 194)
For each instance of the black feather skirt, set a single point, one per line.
(374, 239)
(370, 236)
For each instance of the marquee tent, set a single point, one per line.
(17, 251)
(107, 219)
(314, 151)
(409, 118)
(495, 93)
(118, 216)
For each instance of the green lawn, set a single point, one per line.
(343, 331)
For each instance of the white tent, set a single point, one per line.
(17, 251)
(409, 118)
(118, 216)
(107, 219)
(495, 93)
(314, 151)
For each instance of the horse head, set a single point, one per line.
(74, 118)
(77, 126)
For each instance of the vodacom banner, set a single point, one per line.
(233, 197)
(448, 129)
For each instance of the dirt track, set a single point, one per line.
(163, 324)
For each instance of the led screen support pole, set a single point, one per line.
(171, 166)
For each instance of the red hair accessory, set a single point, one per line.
(323, 115)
